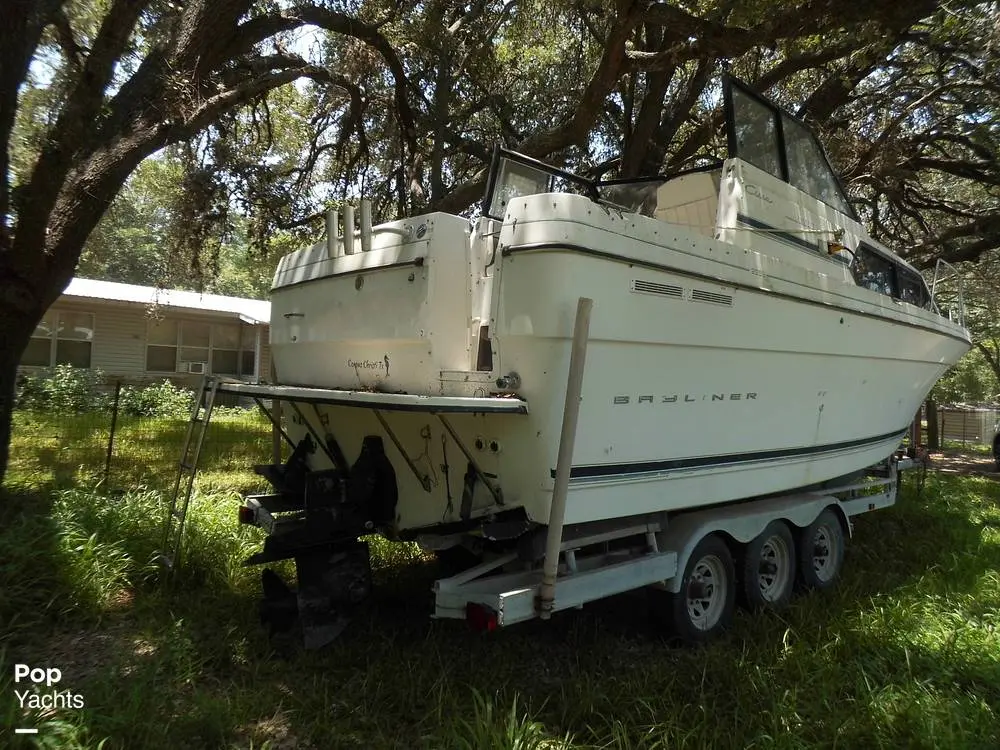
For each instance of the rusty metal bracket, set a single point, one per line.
(424, 479)
(495, 491)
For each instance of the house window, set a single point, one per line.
(74, 338)
(226, 349)
(190, 346)
(196, 341)
(39, 351)
(61, 338)
(248, 351)
(161, 349)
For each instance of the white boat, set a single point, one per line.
(681, 382)
(748, 337)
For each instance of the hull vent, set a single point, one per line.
(651, 287)
(700, 295)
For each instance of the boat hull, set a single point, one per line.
(705, 382)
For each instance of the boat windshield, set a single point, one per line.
(638, 195)
(766, 136)
(513, 175)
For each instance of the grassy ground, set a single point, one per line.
(904, 653)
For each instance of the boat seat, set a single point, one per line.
(690, 200)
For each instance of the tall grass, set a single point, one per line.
(905, 652)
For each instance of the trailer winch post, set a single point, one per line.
(567, 438)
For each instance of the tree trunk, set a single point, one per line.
(18, 325)
(933, 436)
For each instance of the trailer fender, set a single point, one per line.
(741, 523)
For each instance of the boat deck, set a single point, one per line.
(381, 401)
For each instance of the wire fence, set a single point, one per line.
(125, 451)
(959, 424)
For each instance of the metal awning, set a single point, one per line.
(383, 401)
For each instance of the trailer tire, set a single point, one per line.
(821, 551)
(457, 559)
(767, 568)
(704, 605)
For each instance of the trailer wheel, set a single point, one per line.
(767, 570)
(457, 559)
(821, 551)
(707, 597)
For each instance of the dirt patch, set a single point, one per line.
(966, 464)
(85, 654)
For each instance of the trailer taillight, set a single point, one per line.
(246, 514)
(481, 618)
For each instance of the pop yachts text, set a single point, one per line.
(29, 699)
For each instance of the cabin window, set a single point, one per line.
(756, 131)
(61, 338)
(763, 134)
(808, 169)
(912, 288)
(873, 271)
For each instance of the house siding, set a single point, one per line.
(118, 347)
(119, 342)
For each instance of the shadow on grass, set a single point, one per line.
(145, 451)
(903, 653)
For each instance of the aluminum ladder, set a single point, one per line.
(194, 438)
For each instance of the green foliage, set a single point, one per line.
(970, 381)
(495, 727)
(216, 209)
(145, 236)
(162, 399)
(903, 653)
(62, 389)
(65, 389)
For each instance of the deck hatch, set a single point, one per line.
(639, 286)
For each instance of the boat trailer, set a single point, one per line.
(318, 518)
